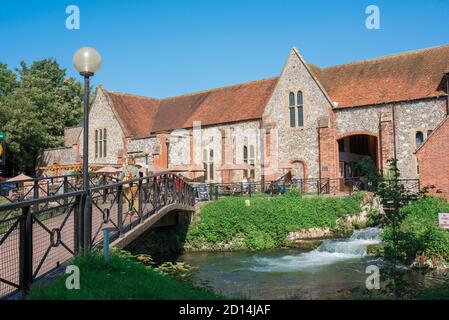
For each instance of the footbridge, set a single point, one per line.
(37, 235)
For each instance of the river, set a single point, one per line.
(335, 267)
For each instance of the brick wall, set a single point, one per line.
(433, 160)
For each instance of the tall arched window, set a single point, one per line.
(292, 109)
(100, 143)
(104, 142)
(245, 160)
(252, 162)
(419, 139)
(300, 107)
(96, 143)
(211, 164)
(208, 164)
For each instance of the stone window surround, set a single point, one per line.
(304, 113)
(100, 143)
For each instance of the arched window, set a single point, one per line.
(292, 109)
(299, 102)
(429, 133)
(211, 164)
(245, 154)
(208, 164)
(104, 142)
(100, 143)
(252, 162)
(96, 143)
(419, 139)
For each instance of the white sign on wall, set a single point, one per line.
(443, 220)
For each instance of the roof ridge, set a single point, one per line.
(132, 95)
(219, 88)
(389, 56)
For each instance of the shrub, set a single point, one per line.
(267, 221)
(418, 233)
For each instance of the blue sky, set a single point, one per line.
(165, 48)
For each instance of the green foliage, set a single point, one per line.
(229, 223)
(121, 278)
(367, 169)
(178, 270)
(419, 233)
(35, 109)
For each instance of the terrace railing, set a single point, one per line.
(37, 235)
(312, 186)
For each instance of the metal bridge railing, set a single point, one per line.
(35, 188)
(37, 235)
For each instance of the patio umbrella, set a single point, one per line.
(20, 178)
(107, 169)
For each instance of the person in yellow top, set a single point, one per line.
(130, 172)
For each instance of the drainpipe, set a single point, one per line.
(447, 94)
(394, 130)
(319, 152)
(262, 154)
(167, 143)
(380, 145)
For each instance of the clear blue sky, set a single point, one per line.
(165, 48)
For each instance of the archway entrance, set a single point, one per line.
(352, 149)
(298, 170)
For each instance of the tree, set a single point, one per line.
(35, 110)
(394, 196)
(367, 169)
(8, 80)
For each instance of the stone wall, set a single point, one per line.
(411, 116)
(101, 116)
(149, 144)
(297, 143)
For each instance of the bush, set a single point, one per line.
(418, 233)
(121, 278)
(267, 221)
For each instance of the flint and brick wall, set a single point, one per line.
(411, 116)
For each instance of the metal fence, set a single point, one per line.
(37, 235)
(312, 186)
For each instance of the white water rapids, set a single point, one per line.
(329, 252)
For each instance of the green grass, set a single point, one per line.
(419, 233)
(265, 224)
(120, 279)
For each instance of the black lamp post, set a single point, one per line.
(87, 61)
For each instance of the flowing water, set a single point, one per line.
(334, 267)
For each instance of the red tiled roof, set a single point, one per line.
(401, 77)
(141, 116)
(136, 114)
(407, 76)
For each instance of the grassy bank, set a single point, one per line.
(121, 278)
(265, 224)
(419, 234)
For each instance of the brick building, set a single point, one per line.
(433, 160)
(317, 122)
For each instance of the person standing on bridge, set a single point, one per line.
(130, 172)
